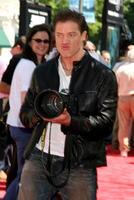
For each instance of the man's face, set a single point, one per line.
(106, 57)
(69, 39)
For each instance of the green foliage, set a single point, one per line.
(98, 9)
(95, 32)
(55, 4)
(95, 28)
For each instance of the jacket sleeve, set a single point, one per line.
(101, 124)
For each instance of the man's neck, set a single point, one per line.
(67, 62)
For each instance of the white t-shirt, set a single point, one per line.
(20, 83)
(125, 79)
(57, 137)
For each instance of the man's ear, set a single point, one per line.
(84, 36)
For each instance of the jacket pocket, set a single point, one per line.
(82, 149)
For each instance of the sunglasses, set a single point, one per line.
(40, 41)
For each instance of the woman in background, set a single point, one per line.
(37, 47)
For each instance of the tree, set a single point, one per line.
(95, 28)
(55, 5)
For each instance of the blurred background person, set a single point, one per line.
(107, 57)
(130, 46)
(122, 59)
(3, 67)
(125, 78)
(91, 48)
(120, 62)
(10, 164)
(18, 46)
(16, 52)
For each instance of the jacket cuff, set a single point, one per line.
(35, 119)
(77, 125)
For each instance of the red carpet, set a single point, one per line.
(2, 188)
(115, 182)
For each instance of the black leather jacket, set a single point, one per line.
(93, 108)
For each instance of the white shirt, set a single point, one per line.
(125, 79)
(57, 137)
(20, 83)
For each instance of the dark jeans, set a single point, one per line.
(81, 185)
(21, 137)
(12, 170)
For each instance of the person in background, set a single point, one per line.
(18, 46)
(3, 67)
(130, 46)
(65, 149)
(37, 46)
(11, 166)
(91, 48)
(125, 111)
(120, 62)
(122, 59)
(107, 57)
(16, 52)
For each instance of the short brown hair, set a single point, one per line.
(71, 15)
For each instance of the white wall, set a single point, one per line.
(9, 20)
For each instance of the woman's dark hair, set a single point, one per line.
(28, 52)
(71, 15)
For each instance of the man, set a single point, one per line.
(72, 144)
(125, 78)
(91, 48)
(107, 57)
